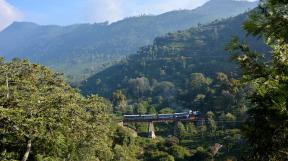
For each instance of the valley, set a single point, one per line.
(207, 84)
(82, 50)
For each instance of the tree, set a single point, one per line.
(157, 155)
(166, 110)
(212, 126)
(202, 128)
(119, 101)
(198, 81)
(43, 118)
(227, 119)
(167, 158)
(142, 107)
(267, 125)
(180, 130)
(152, 110)
(123, 153)
(191, 129)
(139, 86)
(179, 152)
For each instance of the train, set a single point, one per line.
(183, 115)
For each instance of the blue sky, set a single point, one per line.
(64, 12)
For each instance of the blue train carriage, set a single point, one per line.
(139, 117)
(148, 117)
(166, 116)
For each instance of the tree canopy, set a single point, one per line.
(267, 125)
(43, 118)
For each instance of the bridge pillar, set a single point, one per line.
(151, 130)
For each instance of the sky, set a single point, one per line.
(65, 12)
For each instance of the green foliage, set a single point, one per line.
(152, 110)
(180, 130)
(166, 110)
(142, 107)
(139, 86)
(180, 153)
(119, 101)
(167, 149)
(198, 81)
(266, 127)
(180, 71)
(124, 153)
(192, 77)
(123, 136)
(159, 155)
(200, 154)
(191, 129)
(212, 126)
(38, 109)
(269, 20)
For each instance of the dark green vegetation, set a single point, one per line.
(43, 118)
(193, 142)
(84, 49)
(267, 125)
(181, 70)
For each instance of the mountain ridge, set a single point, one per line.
(174, 57)
(83, 49)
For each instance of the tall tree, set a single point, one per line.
(119, 101)
(43, 118)
(267, 125)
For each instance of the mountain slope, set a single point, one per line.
(85, 48)
(174, 57)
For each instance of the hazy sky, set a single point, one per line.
(63, 12)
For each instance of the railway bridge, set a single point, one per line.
(190, 116)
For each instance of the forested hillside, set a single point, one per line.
(167, 68)
(181, 71)
(199, 94)
(84, 49)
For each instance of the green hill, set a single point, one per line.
(84, 49)
(167, 68)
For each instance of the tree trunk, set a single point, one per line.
(26, 155)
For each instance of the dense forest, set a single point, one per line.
(83, 49)
(181, 71)
(169, 70)
(233, 72)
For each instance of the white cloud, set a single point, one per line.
(105, 10)
(113, 10)
(8, 14)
